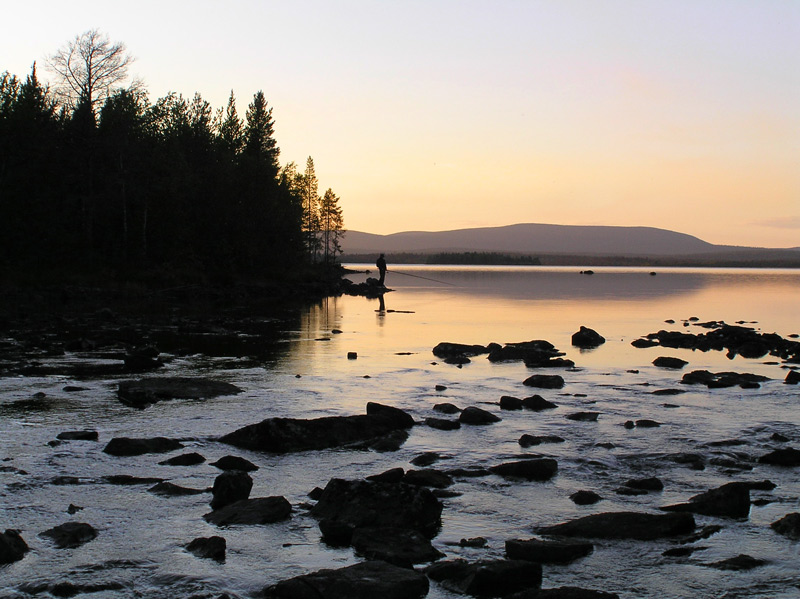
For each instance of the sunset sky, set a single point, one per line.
(435, 115)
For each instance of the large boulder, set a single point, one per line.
(284, 435)
(12, 547)
(547, 552)
(70, 534)
(230, 486)
(587, 338)
(126, 446)
(731, 500)
(536, 469)
(489, 578)
(366, 580)
(359, 503)
(624, 525)
(261, 510)
(144, 392)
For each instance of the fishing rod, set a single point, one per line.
(395, 272)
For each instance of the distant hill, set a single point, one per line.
(563, 240)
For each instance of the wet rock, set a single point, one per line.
(142, 359)
(390, 442)
(788, 457)
(261, 510)
(643, 343)
(441, 387)
(125, 446)
(731, 500)
(788, 526)
(647, 484)
(366, 580)
(624, 525)
(646, 423)
(475, 542)
(564, 593)
(230, 486)
(398, 546)
(428, 478)
(704, 533)
(545, 381)
(426, 459)
(489, 578)
(722, 380)
(779, 438)
(167, 489)
(443, 424)
(547, 552)
(145, 392)
(682, 551)
(537, 469)
(508, 402)
(12, 547)
(232, 462)
(585, 497)
(186, 459)
(792, 377)
(537, 403)
(534, 351)
(360, 503)
(208, 547)
(125, 480)
(73, 509)
(532, 440)
(447, 408)
(694, 460)
(78, 436)
(669, 362)
(668, 392)
(70, 534)
(457, 360)
(477, 416)
(393, 475)
(587, 338)
(584, 416)
(284, 435)
(739, 563)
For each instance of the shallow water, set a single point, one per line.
(141, 535)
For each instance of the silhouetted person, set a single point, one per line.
(381, 264)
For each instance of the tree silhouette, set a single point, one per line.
(332, 224)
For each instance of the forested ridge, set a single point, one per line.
(114, 184)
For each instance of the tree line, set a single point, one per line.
(96, 178)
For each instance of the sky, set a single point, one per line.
(434, 115)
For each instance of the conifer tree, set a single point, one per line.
(259, 141)
(309, 193)
(230, 128)
(332, 224)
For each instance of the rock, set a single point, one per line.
(428, 478)
(537, 403)
(230, 486)
(12, 547)
(646, 423)
(537, 469)
(792, 377)
(587, 338)
(186, 459)
(564, 593)
(731, 500)
(545, 381)
(475, 542)
(393, 475)
(440, 387)
(142, 359)
(261, 510)
(585, 497)
(738, 563)
(426, 459)
(547, 552)
(584, 416)
(510, 403)
(646, 484)
(694, 460)
(668, 362)
(126, 480)
(446, 350)
(490, 578)
(366, 580)
(125, 446)
(447, 408)
(535, 354)
(643, 343)
(144, 392)
(531, 440)
(722, 380)
(359, 503)
(232, 462)
(477, 416)
(788, 457)
(70, 534)
(624, 525)
(389, 442)
(167, 489)
(351, 355)
(398, 546)
(208, 547)
(284, 435)
(443, 424)
(73, 509)
(788, 526)
(78, 436)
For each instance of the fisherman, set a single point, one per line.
(381, 264)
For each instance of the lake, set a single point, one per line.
(308, 374)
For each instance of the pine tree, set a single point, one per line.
(332, 224)
(230, 128)
(309, 193)
(259, 141)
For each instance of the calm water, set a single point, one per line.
(141, 535)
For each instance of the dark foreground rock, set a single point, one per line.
(185, 459)
(477, 416)
(232, 462)
(547, 552)
(788, 526)
(739, 563)
(731, 500)
(229, 487)
(788, 457)
(261, 510)
(367, 580)
(536, 469)
(723, 380)
(669, 362)
(126, 446)
(356, 504)
(284, 435)
(624, 525)
(446, 350)
(587, 338)
(545, 381)
(490, 578)
(70, 534)
(144, 392)
(398, 546)
(208, 547)
(12, 547)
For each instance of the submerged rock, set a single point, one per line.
(126, 446)
(738, 563)
(532, 440)
(547, 552)
(443, 424)
(186, 459)
(624, 525)
(366, 580)
(489, 578)
(398, 546)
(260, 510)
(788, 457)
(731, 500)
(12, 547)
(208, 547)
(167, 489)
(145, 392)
(78, 436)
(284, 435)
(537, 469)
(70, 534)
